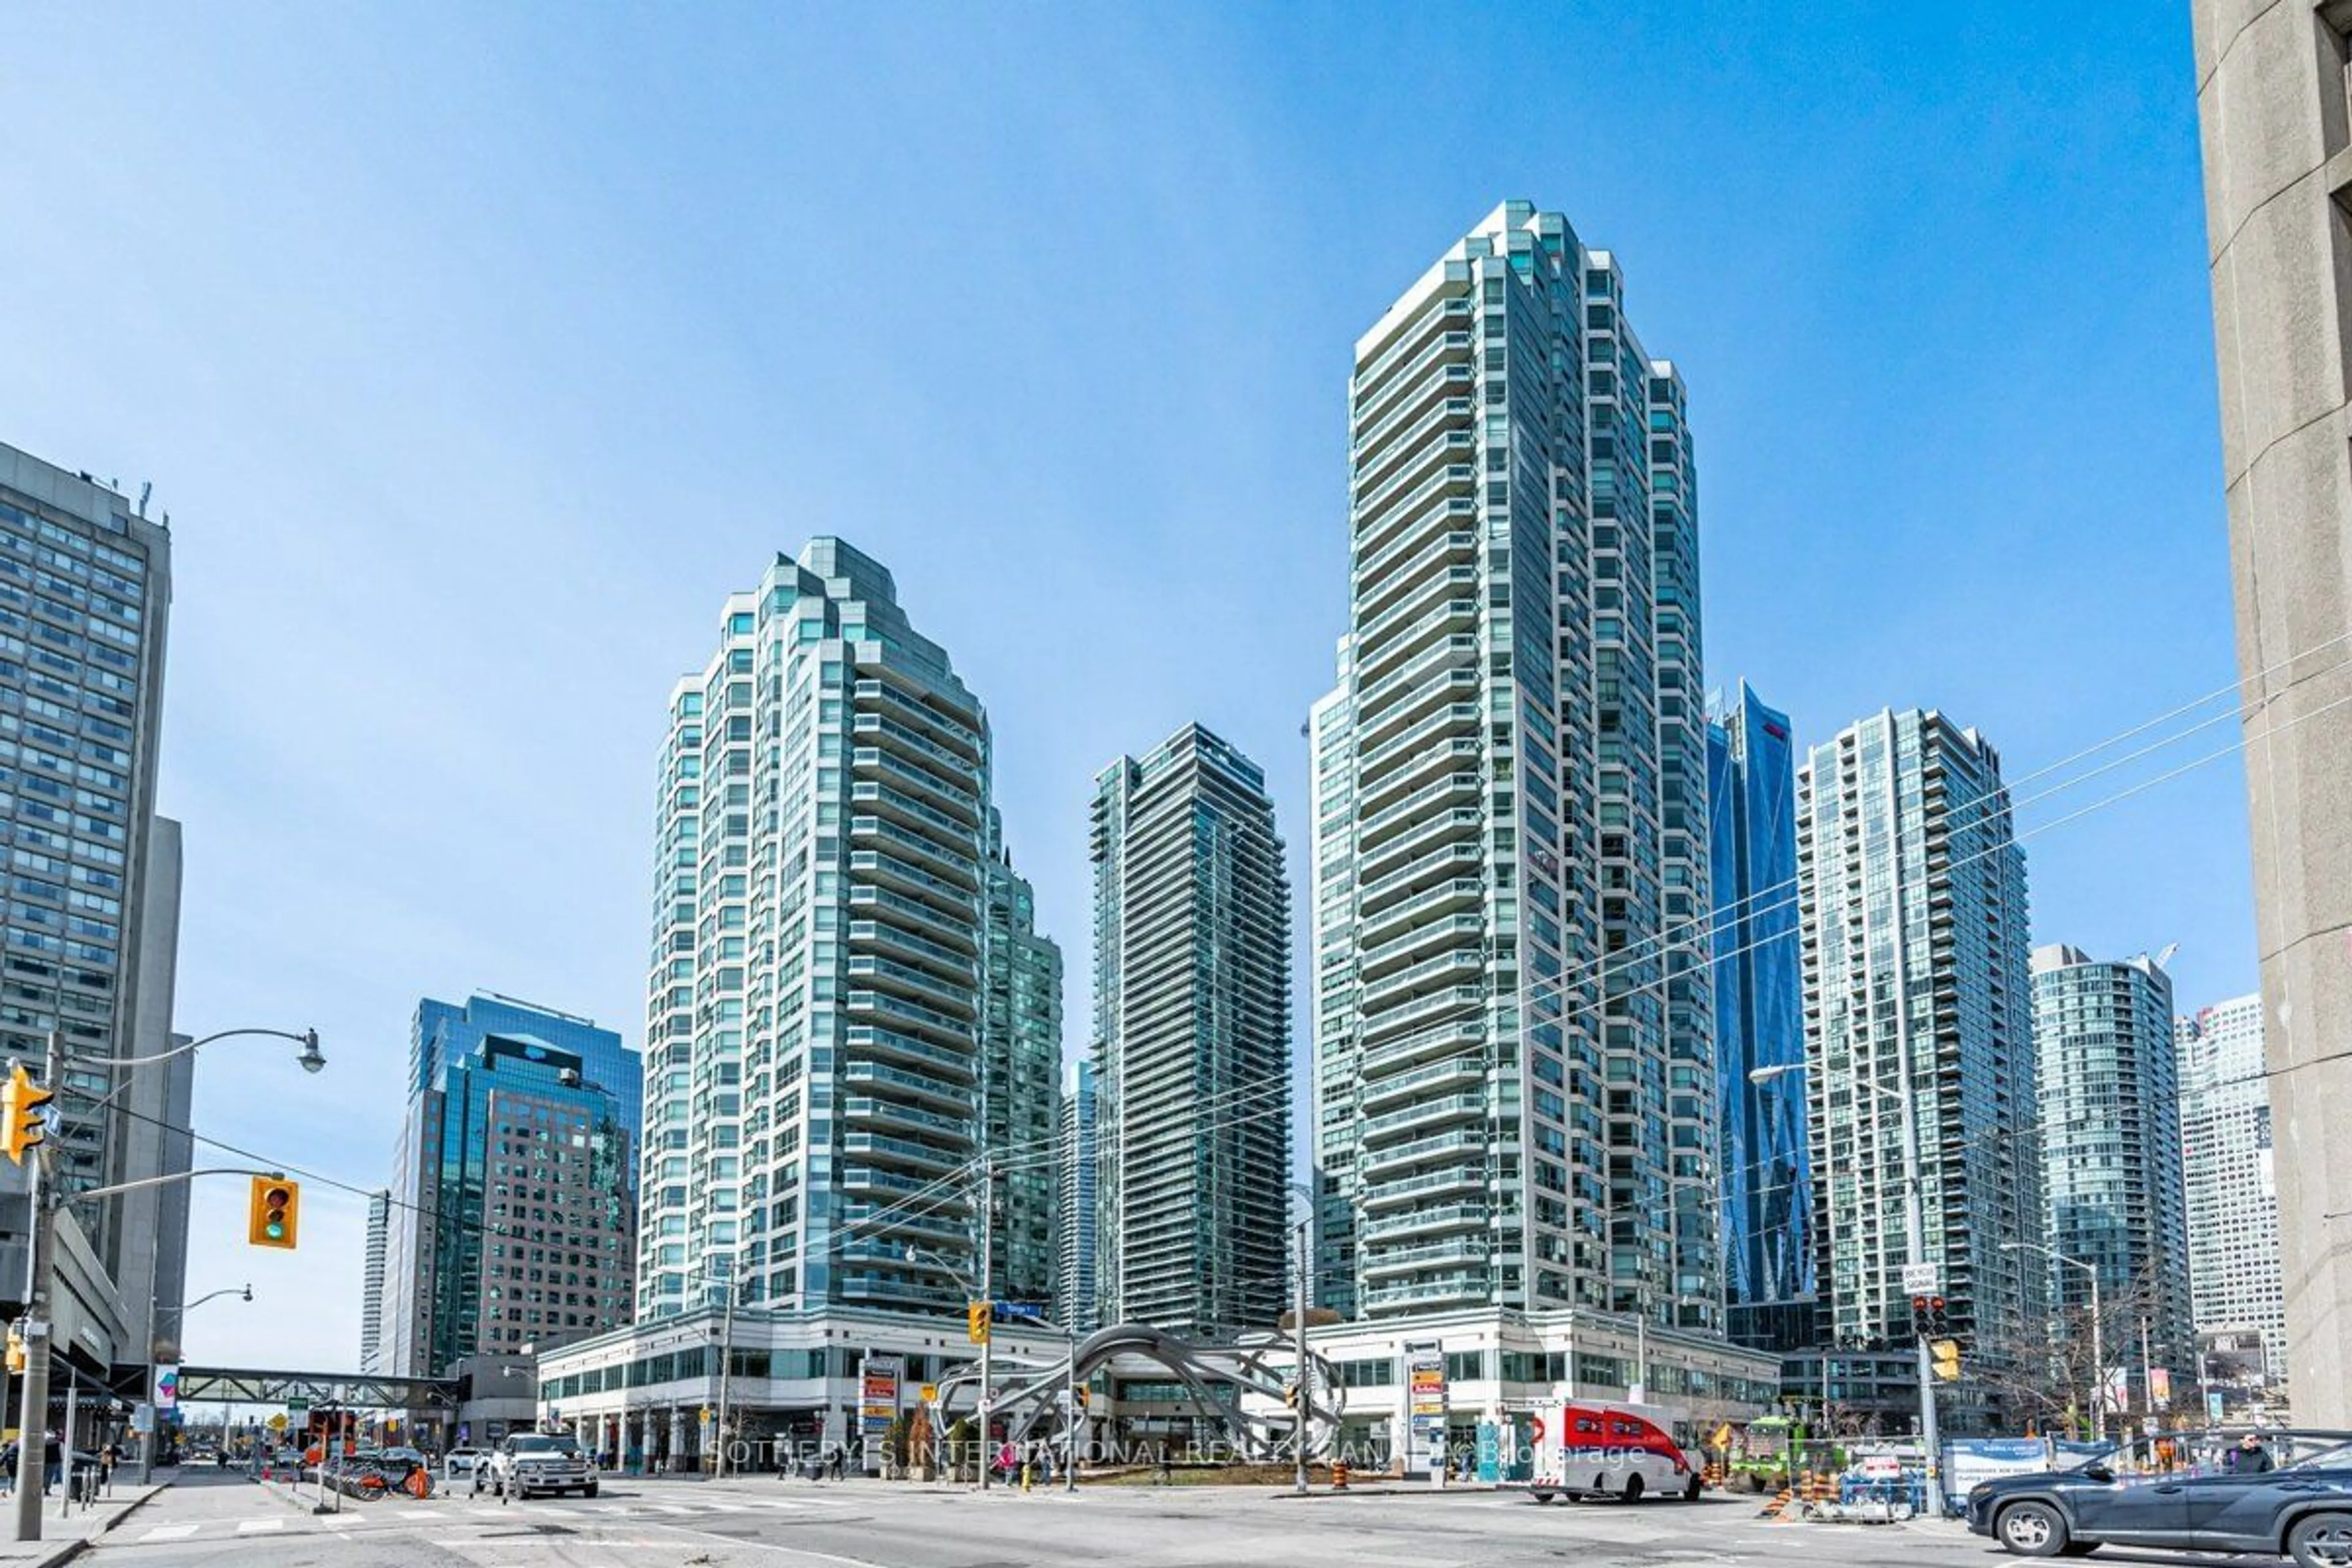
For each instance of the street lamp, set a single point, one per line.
(2098, 1346)
(1915, 1228)
(972, 1292)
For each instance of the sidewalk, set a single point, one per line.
(63, 1538)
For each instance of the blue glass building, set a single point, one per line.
(1767, 1181)
(445, 1033)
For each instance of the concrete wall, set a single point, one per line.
(2271, 94)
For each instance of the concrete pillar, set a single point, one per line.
(676, 1439)
(2278, 172)
(646, 1441)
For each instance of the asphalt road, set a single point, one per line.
(221, 1520)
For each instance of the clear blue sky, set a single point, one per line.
(477, 353)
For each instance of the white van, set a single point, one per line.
(1584, 1449)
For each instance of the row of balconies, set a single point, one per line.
(1381, 517)
(1450, 314)
(1396, 567)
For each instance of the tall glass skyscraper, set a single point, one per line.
(1077, 1295)
(1191, 1039)
(1021, 1081)
(444, 1032)
(838, 940)
(1917, 1004)
(511, 1222)
(2230, 1175)
(1515, 1078)
(1767, 1167)
(2111, 1182)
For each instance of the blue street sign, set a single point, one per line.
(1020, 1309)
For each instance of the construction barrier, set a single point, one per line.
(1338, 1475)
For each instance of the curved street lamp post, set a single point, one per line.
(41, 1271)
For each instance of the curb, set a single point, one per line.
(69, 1551)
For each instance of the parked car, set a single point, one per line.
(458, 1463)
(2221, 1501)
(532, 1462)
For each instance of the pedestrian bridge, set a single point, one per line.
(1026, 1399)
(346, 1390)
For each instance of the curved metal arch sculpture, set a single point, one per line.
(1027, 1398)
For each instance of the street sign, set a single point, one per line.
(278, 1422)
(1032, 1310)
(1921, 1280)
(930, 1394)
(142, 1418)
(298, 1406)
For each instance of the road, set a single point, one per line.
(221, 1520)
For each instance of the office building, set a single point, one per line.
(1515, 1083)
(1191, 1039)
(1918, 1033)
(91, 931)
(379, 1239)
(511, 1227)
(2229, 1165)
(1021, 1082)
(1760, 1026)
(1077, 1298)
(2272, 100)
(815, 1007)
(444, 1032)
(2111, 1167)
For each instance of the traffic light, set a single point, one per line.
(1944, 1356)
(275, 1215)
(1290, 1396)
(1921, 1324)
(16, 1351)
(977, 1317)
(22, 1123)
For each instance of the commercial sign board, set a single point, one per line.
(877, 1399)
(1425, 1377)
(167, 1386)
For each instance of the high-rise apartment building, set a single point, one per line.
(1514, 1084)
(512, 1224)
(1191, 1039)
(2271, 98)
(1021, 1081)
(378, 1241)
(2230, 1171)
(1077, 1297)
(89, 934)
(1331, 988)
(1759, 1024)
(815, 1011)
(2111, 1167)
(1918, 1031)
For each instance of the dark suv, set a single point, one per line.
(2214, 1498)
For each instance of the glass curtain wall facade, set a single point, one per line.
(513, 1223)
(2230, 1174)
(816, 1015)
(1912, 908)
(2111, 1172)
(1767, 1166)
(1021, 1082)
(1077, 1295)
(444, 1032)
(1332, 989)
(1191, 1039)
(1516, 1095)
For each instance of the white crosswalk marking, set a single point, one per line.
(260, 1526)
(171, 1533)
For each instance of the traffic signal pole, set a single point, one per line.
(33, 1418)
(987, 1293)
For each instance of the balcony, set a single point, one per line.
(1468, 1176)
(878, 1041)
(1463, 963)
(1413, 557)
(1426, 1113)
(901, 1151)
(1425, 1222)
(1380, 1261)
(1377, 652)
(1412, 417)
(1421, 936)
(947, 1028)
(1454, 789)
(872, 934)
(954, 1099)
(950, 860)
(920, 984)
(1443, 1289)
(940, 929)
(1455, 906)
(906, 809)
(1447, 673)
(1397, 461)
(1444, 318)
(873, 729)
(1454, 1070)
(1446, 721)
(1399, 868)
(952, 730)
(1398, 782)
(1448, 1037)
(1467, 1146)
(873, 866)
(945, 796)
(1376, 388)
(1402, 514)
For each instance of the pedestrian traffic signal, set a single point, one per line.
(1945, 1355)
(275, 1215)
(977, 1317)
(22, 1122)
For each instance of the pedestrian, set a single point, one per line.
(107, 1457)
(2252, 1459)
(52, 1472)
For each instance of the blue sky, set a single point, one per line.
(477, 353)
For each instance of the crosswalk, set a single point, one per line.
(466, 1511)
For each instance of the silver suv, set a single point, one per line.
(532, 1462)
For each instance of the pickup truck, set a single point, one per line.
(532, 1462)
